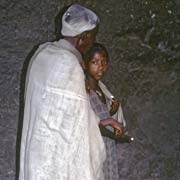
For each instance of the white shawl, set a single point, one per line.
(60, 138)
(119, 114)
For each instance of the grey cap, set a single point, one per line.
(78, 19)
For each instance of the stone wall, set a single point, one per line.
(143, 39)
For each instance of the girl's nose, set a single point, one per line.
(100, 66)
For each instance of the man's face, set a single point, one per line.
(86, 41)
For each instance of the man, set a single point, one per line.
(60, 138)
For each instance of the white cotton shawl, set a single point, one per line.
(60, 137)
(119, 114)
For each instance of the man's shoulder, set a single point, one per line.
(49, 56)
(51, 49)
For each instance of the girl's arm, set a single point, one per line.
(112, 122)
(119, 139)
(105, 132)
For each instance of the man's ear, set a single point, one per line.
(83, 36)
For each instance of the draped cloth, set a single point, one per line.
(110, 167)
(119, 114)
(60, 137)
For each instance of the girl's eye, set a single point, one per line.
(94, 62)
(105, 62)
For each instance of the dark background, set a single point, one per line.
(143, 40)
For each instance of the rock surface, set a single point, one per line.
(143, 39)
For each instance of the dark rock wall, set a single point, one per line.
(143, 39)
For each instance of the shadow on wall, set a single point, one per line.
(21, 108)
(58, 22)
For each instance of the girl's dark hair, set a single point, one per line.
(96, 47)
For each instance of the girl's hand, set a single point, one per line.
(119, 133)
(114, 107)
(118, 129)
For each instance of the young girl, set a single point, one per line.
(105, 106)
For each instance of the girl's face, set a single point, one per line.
(98, 65)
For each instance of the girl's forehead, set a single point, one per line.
(100, 53)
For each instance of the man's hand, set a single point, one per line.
(124, 139)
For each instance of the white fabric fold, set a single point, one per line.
(119, 114)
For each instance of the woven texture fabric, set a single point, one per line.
(110, 167)
(60, 138)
